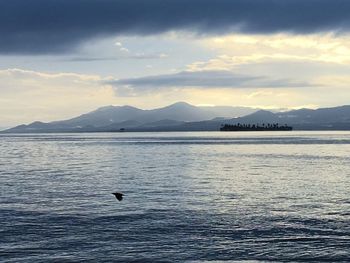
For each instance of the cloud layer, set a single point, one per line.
(206, 79)
(50, 26)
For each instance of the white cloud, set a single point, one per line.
(327, 48)
(123, 49)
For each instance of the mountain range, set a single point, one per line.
(182, 116)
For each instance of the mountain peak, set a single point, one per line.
(180, 104)
(263, 113)
(111, 107)
(105, 108)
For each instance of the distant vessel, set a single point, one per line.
(255, 127)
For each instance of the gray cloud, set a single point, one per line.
(114, 58)
(53, 26)
(201, 79)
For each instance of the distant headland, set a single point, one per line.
(255, 127)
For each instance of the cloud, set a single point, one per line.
(127, 56)
(28, 95)
(200, 79)
(236, 50)
(123, 49)
(49, 26)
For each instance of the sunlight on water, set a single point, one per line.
(197, 197)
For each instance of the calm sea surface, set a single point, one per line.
(189, 197)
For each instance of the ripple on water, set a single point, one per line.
(188, 197)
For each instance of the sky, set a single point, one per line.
(62, 58)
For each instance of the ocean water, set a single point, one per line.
(189, 197)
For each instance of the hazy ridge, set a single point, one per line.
(182, 116)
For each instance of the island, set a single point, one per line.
(255, 127)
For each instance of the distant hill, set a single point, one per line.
(112, 118)
(337, 118)
(185, 117)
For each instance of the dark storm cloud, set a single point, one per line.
(202, 79)
(49, 26)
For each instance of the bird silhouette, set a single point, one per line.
(119, 196)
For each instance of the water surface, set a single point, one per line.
(282, 196)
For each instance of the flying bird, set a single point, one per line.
(119, 196)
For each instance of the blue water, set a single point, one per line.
(189, 197)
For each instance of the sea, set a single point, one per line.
(188, 197)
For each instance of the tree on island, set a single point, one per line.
(255, 127)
